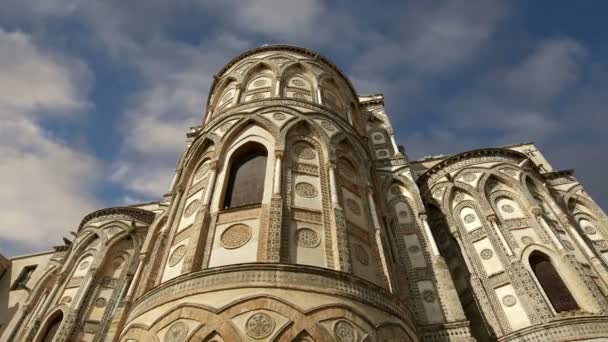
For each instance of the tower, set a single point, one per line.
(294, 216)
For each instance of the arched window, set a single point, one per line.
(52, 328)
(555, 289)
(246, 176)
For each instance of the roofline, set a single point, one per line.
(273, 47)
(23, 256)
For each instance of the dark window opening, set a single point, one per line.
(555, 288)
(52, 328)
(246, 176)
(24, 277)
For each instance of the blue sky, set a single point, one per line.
(97, 95)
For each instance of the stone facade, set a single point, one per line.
(328, 233)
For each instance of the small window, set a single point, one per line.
(24, 277)
(246, 177)
(555, 288)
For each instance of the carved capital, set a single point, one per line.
(279, 153)
(423, 216)
(213, 164)
(492, 218)
(537, 211)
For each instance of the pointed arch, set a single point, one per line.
(297, 81)
(259, 82)
(550, 281)
(246, 176)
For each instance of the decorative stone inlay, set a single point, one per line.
(304, 152)
(235, 236)
(589, 230)
(486, 254)
(361, 254)
(428, 296)
(257, 96)
(259, 325)
(568, 245)
(527, 240)
(459, 197)
(396, 191)
(100, 302)
(117, 262)
(279, 116)
(509, 300)
(345, 332)
(327, 126)
(382, 153)
(507, 208)
(469, 177)
(353, 206)
(191, 208)
(177, 332)
(83, 265)
(297, 82)
(201, 171)
(469, 218)
(66, 300)
(510, 172)
(259, 83)
(299, 95)
(307, 238)
(177, 255)
(305, 189)
(414, 249)
(403, 214)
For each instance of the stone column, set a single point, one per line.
(275, 223)
(538, 213)
(277, 172)
(339, 233)
(394, 143)
(429, 235)
(135, 280)
(494, 222)
(378, 235)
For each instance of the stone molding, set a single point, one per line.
(119, 213)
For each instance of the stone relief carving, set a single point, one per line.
(307, 238)
(353, 206)
(509, 300)
(235, 236)
(177, 332)
(177, 255)
(344, 331)
(305, 189)
(192, 208)
(428, 296)
(361, 254)
(486, 254)
(259, 325)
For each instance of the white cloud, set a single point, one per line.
(46, 184)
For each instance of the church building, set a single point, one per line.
(294, 216)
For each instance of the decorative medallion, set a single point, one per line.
(590, 230)
(413, 249)
(507, 208)
(84, 265)
(378, 138)
(353, 206)
(428, 296)
(345, 332)
(225, 127)
(304, 152)
(307, 238)
(299, 95)
(258, 96)
(486, 254)
(396, 191)
(259, 325)
(279, 116)
(227, 97)
(469, 218)
(469, 177)
(298, 83)
(259, 83)
(100, 302)
(327, 126)
(306, 190)
(527, 240)
(191, 208)
(361, 254)
(66, 300)
(177, 255)
(403, 214)
(568, 245)
(177, 332)
(235, 236)
(201, 171)
(509, 300)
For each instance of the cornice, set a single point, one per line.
(133, 213)
(278, 47)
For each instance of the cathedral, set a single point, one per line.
(295, 216)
